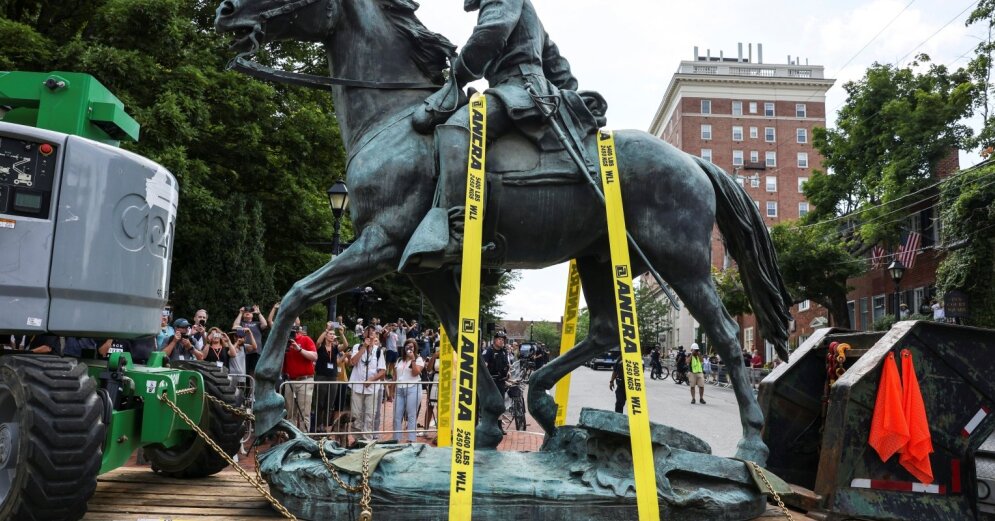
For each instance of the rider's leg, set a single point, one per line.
(437, 240)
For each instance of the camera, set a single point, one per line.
(185, 336)
(202, 322)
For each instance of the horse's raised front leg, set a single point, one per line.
(442, 291)
(602, 336)
(370, 257)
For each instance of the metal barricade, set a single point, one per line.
(349, 411)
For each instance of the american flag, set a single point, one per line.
(877, 257)
(907, 252)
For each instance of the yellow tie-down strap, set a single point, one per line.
(628, 332)
(445, 402)
(461, 473)
(567, 340)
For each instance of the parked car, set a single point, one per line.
(605, 360)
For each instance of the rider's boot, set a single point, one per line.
(438, 239)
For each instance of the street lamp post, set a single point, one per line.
(896, 269)
(338, 200)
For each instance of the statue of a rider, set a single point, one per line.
(511, 49)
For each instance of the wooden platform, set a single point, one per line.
(138, 494)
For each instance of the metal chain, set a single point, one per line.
(367, 511)
(777, 497)
(164, 397)
(243, 413)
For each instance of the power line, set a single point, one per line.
(872, 207)
(930, 37)
(778, 144)
(883, 29)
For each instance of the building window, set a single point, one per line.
(771, 185)
(741, 181)
(754, 156)
(706, 106)
(769, 134)
(737, 133)
(753, 133)
(748, 338)
(802, 209)
(771, 157)
(803, 160)
(769, 110)
(706, 132)
(706, 154)
(755, 183)
(801, 135)
(800, 110)
(771, 208)
(756, 203)
(879, 309)
(804, 305)
(851, 308)
(801, 184)
(865, 314)
(737, 108)
(737, 158)
(753, 107)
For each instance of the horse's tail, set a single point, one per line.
(749, 243)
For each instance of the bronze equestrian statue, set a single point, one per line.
(541, 210)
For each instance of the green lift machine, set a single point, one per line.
(86, 238)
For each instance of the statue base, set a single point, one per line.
(583, 472)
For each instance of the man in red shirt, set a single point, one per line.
(298, 366)
(756, 365)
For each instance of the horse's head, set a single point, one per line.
(256, 22)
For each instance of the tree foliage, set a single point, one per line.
(731, 291)
(548, 333)
(653, 311)
(815, 266)
(895, 128)
(968, 213)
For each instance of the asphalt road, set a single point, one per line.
(716, 422)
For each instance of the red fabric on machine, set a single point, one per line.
(915, 456)
(889, 428)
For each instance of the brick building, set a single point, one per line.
(754, 120)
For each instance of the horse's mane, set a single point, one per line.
(429, 50)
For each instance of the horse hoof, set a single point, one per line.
(268, 409)
(752, 449)
(488, 436)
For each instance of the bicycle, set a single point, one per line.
(680, 377)
(658, 371)
(515, 410)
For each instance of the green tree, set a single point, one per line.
(548, 333)
(731, 291)
(980, 70)
(968, 214)
(895, 128)
(253, 159)
(816, 265)
(583, 323)
(653, 311)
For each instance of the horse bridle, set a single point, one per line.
(257, 70)
(262, 72)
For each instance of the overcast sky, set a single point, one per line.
(629, 49)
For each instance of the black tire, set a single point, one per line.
(194, 458)
(51, 438)
(665, 373)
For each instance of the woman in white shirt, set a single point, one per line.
(408, 370)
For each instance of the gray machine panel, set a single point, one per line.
(101, 267)
(26, 231)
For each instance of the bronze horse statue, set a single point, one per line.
(672, 202)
